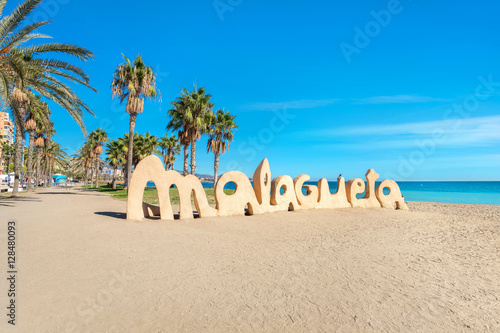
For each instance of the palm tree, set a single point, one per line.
(38, 113)
(133, 82)
(199, 104)
(44, 132)
(115, 157)
(148, 145)
(96, 139)
(39, 143)
(49, 133)
(82, 161)
(179, 122)
(22, 72)
(123, 142)
(187, 117)
(143, 146)
(220, 127)
(169, 148)
(53, 157)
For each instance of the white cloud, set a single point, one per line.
(425, 127)
(400, 99)
(301, 104)
(316, 103)
(479, 131)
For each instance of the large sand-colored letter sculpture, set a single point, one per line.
(279, 194)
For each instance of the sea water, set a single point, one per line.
(455, 192)
(433, 191)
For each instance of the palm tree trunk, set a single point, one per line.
(30, 159)
(50, 174)
(216, 167)
(113, 184)
(45, 177)
(124, 174)
(166, 161)
(133, 117)
(97, 172)
(18, 155)
(193, 157)
(173, 164)
(37, 167)
(85, 174)
(91, 175)
(186, 158)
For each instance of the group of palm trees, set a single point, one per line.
(88, 157)
(191, 116)
(28, 73)
(49, 156)
(31, 76)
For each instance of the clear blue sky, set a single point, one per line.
(309, 91)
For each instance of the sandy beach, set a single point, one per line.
(83, 268)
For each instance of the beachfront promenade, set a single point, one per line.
(83, 268)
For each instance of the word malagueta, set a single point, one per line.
(281, 194)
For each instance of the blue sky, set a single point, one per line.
(318, 87)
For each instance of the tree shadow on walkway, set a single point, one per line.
(11, 201)
(117, 215)
(123, 216)
(64, 193)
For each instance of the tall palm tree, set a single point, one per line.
(220, 127)
(37, 116)
(134, 82)
(44, 133)
(199, 105)
(39, 143)
(89, 149)
(82, 161)
(169, 148)
(49, 134)
(188, 116)
(53, 157)
(22, 71)
(179, 122)
(96, 138)
(115, 157)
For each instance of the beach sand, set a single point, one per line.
(83, 268)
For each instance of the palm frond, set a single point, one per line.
(12, 21)
(70, 49)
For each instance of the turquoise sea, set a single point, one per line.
(436, 191)
(455, 192)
